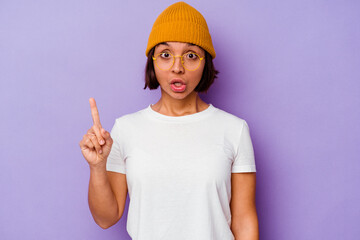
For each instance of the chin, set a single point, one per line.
(178, 95)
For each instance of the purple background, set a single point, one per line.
(289, 68)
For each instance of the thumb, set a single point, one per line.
(108, 140)
(105, 133)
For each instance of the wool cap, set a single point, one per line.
(181, 22)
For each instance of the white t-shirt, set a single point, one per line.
(178, 171)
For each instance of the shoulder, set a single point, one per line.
(229, 119)
(232, 125)
(130, 119)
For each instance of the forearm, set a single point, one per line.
(245, 227)
(102, 201)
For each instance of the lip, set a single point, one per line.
(177, 80)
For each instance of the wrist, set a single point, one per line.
(99, 167)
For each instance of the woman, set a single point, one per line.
(188, 166)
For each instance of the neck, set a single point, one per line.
(170, 106)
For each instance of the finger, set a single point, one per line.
(89, 144)
(95, 142)
(82, 144)
(91, 131)
(107, 136)
(104, 133)
(100, 138)
(85, 143)
(94, 112)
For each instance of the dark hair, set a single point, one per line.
(207, 78)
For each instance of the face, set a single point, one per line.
(177, 71)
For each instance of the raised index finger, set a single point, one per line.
(94, 112)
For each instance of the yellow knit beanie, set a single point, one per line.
(180, 22)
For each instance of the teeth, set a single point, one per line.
(178, 84)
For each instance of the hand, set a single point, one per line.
(96, 143)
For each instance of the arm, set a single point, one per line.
(107, 190)
(244, 221)
(107, 196)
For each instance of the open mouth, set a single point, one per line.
(178, 87)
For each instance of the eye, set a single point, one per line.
(191, 56)
(165, 55)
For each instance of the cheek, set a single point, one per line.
(199, 74)
(160, 76)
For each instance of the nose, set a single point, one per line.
(177, 67)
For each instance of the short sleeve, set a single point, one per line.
(244, 158)
(115, 161)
